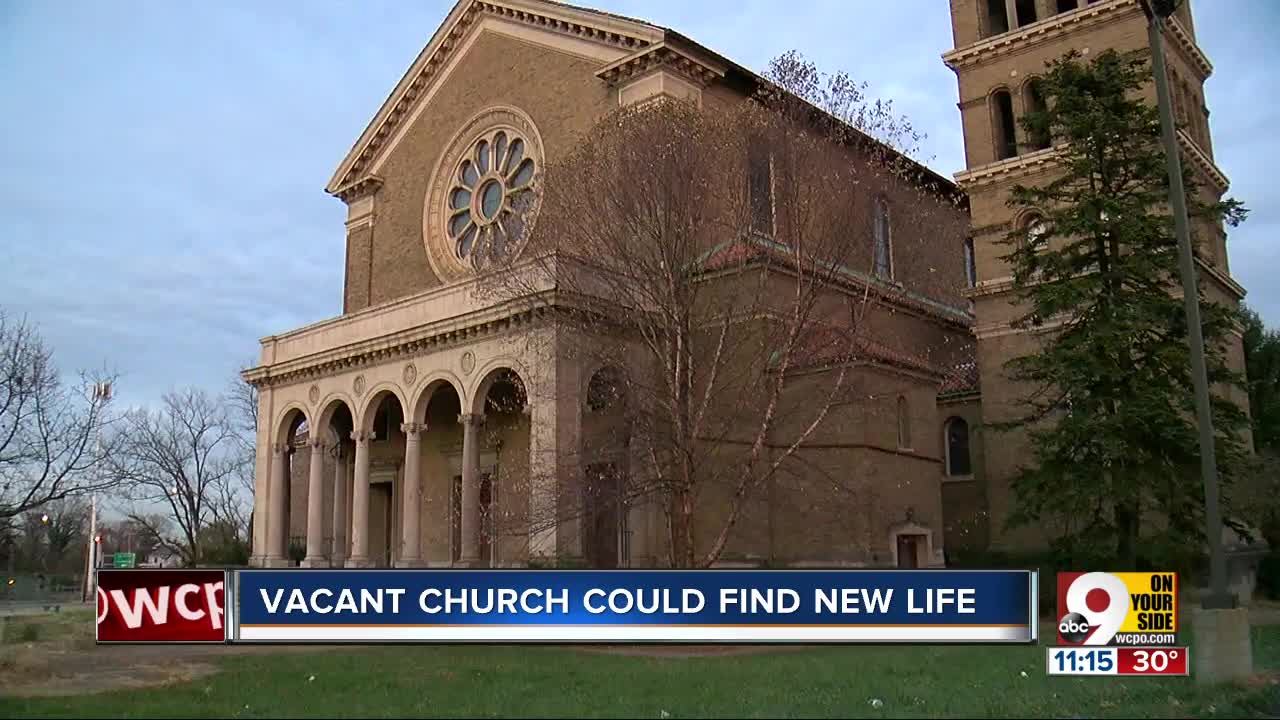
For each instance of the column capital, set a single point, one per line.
(472, 419)
(318, 444)
(361, 436)
(412, 430)
(280, 448)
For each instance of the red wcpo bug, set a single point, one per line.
(177, 606)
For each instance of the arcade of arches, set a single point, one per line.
(440, 473)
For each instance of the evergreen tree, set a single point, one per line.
(1110, 408)
(1262, 363)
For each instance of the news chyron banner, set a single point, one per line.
(568, 606)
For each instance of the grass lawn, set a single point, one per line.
(544, 682)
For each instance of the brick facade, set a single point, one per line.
(408, 337)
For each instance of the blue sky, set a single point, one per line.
(162, 202)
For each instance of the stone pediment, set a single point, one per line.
(602, 36)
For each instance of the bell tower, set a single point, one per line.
(1001, 46)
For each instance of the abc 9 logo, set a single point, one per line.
(1096, 601)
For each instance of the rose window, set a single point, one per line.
(491, 190)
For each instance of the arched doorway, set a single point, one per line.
(375, 510)
(327, 492)
(496, 503)
(604, 495)
(437, 407)
(291, 430)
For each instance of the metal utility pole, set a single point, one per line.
(1219, 596)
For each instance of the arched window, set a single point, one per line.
(606, 389)
(957, 447)
(1036, 106)
(882, 250)
(970, 264)
(1035, 230)
(904, 424)
(1003, 132)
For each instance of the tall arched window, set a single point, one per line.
(957, 447)
(1040, 138)
(970, 263)
(904, 424)
(1003, 132)
(882, 250)
(760, 188)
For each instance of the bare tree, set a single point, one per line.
(234, 506)
(715, 262)
(242, 406)
(129, 535)
(183, 459)
(52, 434)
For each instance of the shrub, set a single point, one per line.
(29, 632)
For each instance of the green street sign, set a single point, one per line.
(124, 560)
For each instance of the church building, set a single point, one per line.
(433, 425)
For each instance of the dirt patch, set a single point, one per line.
(143, 675)
(62, 658)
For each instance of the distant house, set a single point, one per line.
(161, 558)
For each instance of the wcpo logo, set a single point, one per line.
(180, 606)
(1100, 608)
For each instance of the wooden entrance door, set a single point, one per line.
(601, 516)
(908, 549)
(380, 522)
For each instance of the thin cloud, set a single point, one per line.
(163, 203)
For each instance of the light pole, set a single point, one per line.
(1219, 597)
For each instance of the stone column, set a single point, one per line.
(339, 551)
(1047, 9)
(277, 533)
(471, 423)
(543, 473)
(360, 503)
(315, 506)
(410, 526)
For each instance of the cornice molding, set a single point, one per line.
(1190, 48)
(596, 27)
(994, 286)
(363, 187)
(700, 71)
(1223, 279)
(1055, 25)
(411, 343)
(1039, 160)
(1198, 157)
(1038, 32)
(1001, 285)
(1014, 167)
